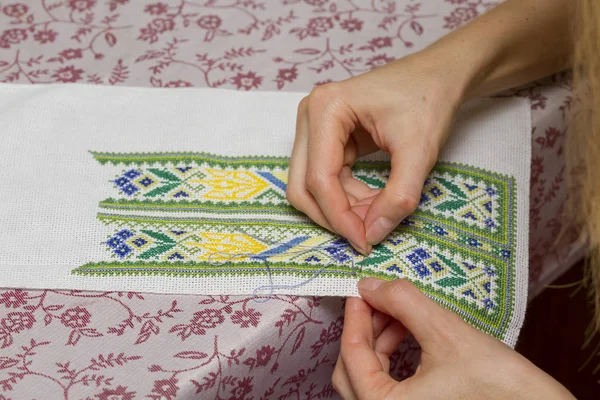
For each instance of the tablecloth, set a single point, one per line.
(126, 345)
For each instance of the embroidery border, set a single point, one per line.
(496, 326)
(272, 163)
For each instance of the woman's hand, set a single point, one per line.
(457, 360)
(405, 109)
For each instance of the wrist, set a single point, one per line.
(464, 65)
(452, 78)
(515, 43)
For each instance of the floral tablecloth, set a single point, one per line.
(116, 345)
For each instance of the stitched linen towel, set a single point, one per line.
(183, 191)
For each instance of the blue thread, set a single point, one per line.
(122, 181)
(271, 178)
(181, 193)
(124, 234)
(176, 256)
(435, 191)
(436, 266)
(394, 268)
(282, 248)
(139, 242)
(122, 251)
(146, 182)
(129, 189)
(490, 191)
(440, 231)
(132, 174)
(334, 248)
(113, 242)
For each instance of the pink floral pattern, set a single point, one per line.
(118, 345)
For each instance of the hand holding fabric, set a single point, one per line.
(402, 109)
(457, 360)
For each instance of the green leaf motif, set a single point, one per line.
(162, 189)
(156, 251)
(377, 183)
(452, 187)
(451, 205)
(451, 282)
(163, 173)
(158, 236)
(450, 263)
(380, 254)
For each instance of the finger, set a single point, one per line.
(359, 194)
(369, 200)
(400, 197)
(354, 187)
(296, 191)
(390, 338)
(341, 382)
(363, 367)
(380, 321)
(360, 143)
(350, 152)
(434, 327)
(388, 341)
(330, 125)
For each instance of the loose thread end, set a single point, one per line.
(271, 286)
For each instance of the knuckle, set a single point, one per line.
(448, 330)
(405, 202)
(324, 93)
(293, 196)
(346, 350)
(335, 384)
(336, 379)
(303, 105)
(399, 289)
(315, 182)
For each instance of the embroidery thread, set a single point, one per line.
(194, 214)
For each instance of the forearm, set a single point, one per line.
(515, 43)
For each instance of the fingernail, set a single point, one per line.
(360, 249)
(369, 284)
(379, 230)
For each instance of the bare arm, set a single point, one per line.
(515, 43)
(406, 109)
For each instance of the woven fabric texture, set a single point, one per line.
(159, 193)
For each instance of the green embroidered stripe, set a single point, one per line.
(473, 272)
(491, 324)
(187, 182)
(197, 158)
(195, 205)
(300, 227)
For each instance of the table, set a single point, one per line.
(117, 345)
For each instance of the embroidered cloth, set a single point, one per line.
(184, 192)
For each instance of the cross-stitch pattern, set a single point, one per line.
(188, 182)
(190, 214)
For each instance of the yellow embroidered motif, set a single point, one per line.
(231, 185)
(230, 243)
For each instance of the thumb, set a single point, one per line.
(433, 326)
(401, 194)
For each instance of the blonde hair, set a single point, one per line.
(583, 146)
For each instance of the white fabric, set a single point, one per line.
(51, 185)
